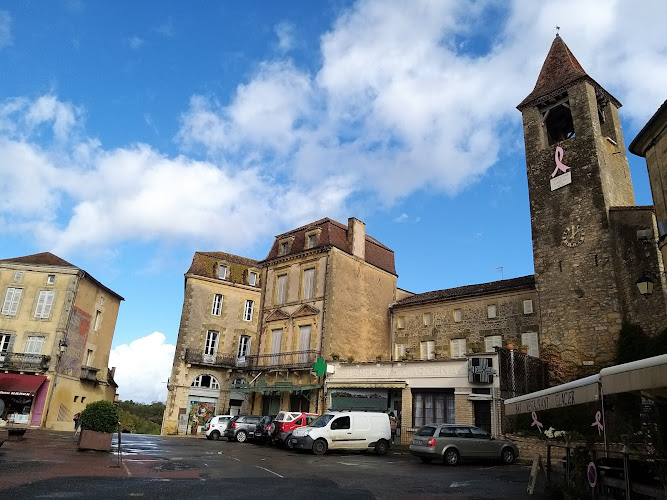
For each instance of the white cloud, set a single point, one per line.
(400, 103)
(5, 29)
(142, 368)
(285, 34)
(135, 42)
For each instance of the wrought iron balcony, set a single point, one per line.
(21, 361)
(197, 357)
(282, 360)
(89, 373)
(293, 360)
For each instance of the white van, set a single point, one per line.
(344, 430)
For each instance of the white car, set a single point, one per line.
(344, 430)
(215, 427)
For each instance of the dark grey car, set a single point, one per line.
(242, 427)
(453, 442)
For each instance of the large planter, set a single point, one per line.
(93, 440)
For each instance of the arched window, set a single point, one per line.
(206, 382)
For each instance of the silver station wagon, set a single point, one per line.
(453, 442)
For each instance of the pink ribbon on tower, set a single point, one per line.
(536, 423)
(597, 422)
(559, 164)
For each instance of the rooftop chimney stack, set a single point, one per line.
(356, 237)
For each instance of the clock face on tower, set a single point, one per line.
(573, 235)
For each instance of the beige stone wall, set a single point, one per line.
(474, 326)
(357, 321)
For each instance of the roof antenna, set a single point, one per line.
(499, 268)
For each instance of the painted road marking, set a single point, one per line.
(267, 470)
(458, 485)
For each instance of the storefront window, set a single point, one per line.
(435, 407)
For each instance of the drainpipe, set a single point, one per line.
(80, 275)
(324, 309)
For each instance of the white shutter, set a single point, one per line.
(304, 342)
(11, 304)
(308, 282)
(247, 312)
(530, 339)
(282, 287)
(48, 302)
(528, 306)
(491, 311)
(427, 349)
(400, 350)
(458, 348)
(34, 345)
(276, 340)
(492, 341)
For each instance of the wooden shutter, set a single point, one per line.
(282, 288)
(11, 303)
(492, 341)
(530, 339)
(276, 340)
(308, 282)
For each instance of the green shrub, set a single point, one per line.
(100, 416)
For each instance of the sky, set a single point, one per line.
(133, 134)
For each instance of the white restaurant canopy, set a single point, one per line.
(644, 375)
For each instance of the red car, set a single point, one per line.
(286, 422)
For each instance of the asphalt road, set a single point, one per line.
(233, 470)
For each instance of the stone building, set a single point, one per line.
(585, 225)
(216, 337)
(651, 143)
(56, 327)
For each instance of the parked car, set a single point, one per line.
(453, 442)
(241, 427)
(285, 423)
(349, 430)
(263, 428)
(216, 426)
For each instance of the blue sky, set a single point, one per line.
(134, 134)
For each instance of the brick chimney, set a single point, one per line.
(356, 237)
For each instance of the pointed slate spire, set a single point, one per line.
(559, 71)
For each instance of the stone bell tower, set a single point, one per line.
(581, 202)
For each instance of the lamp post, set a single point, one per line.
(646, 282)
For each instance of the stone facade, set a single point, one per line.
(585, 244)
(58, 332)
(213, 332)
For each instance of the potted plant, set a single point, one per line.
(403, 357)
(378, 357)
(523, 349)
(99, 420)
(350, 359)
(335, 356)
(510, 346)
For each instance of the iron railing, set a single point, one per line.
(282, 360)
(521, 374)
(24, 362)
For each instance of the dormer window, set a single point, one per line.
(18, 276)
(50, 279)
(222, 272)
(252, 278)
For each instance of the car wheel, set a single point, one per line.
(289, 445)
(320, 447)
(241, 436)
(215, 435)
(507, 456)
(381, 447)
(451, 457)
(426, 460)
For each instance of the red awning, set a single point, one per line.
(20, 385)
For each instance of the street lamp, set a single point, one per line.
(62, 345)
(646, 282)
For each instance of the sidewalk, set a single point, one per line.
(44, 454)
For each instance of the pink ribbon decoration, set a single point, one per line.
(559, 164)
(536, 423)
(597, 422)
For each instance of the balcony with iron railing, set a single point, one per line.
(25, 362)
(284, 360)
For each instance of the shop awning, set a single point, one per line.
(367, 385)
(584, 390)
(20, 385)
(268, 389)
(643, 375)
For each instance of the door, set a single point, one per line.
(341, 432)
(482, 410)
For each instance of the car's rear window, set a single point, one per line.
(285, 417)
(427, 430)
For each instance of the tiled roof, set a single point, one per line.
(559, 71)
(40, 259)
(49, 259)
(469, 291)
(653, 128)
(203, 263)
(334, 233)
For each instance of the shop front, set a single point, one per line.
(22, 399)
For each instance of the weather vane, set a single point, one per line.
(557, 30)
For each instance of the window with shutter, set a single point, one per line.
(457, 315)
(4, 342)
(44, 304)
(427, 319)
(530, 339)
(282, 289)
(492, 341)
(34, 345)
(18, 276)
(11, 303)
(400, 322)
(308, 283)
(457, 348)
(244, 346)
(400, 350)
(528, 306)
(276, 340)
(491, 311)
(304, 343)
(222, 272)
(247, 311)
(427, 349)
(216, 309)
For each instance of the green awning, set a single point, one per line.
(272, 389)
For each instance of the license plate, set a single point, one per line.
(418, 441)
